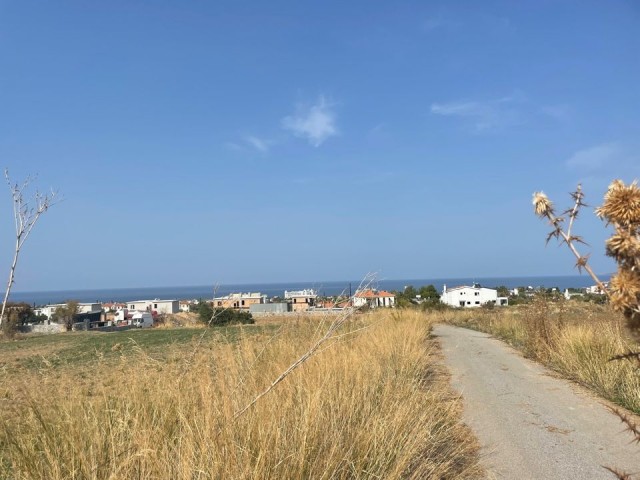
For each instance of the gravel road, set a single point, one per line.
(530, 424)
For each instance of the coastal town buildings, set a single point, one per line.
(471, 296)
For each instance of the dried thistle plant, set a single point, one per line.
(544, 209)
(621, 209)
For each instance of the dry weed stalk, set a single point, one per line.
(338, 322)
(619, 473)
(25, 217)
(630, 355)
(635, 431)
(628, 421)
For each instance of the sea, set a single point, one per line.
(328, 288)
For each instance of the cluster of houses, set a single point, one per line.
(306, 300)
(139, 312)
(143, 312)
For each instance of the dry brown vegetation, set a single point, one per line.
(576, 339)
(370, 404)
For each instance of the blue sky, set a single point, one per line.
(231, 142)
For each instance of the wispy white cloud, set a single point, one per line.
(484, 115)
(315, 123)
(597, 165)
(249, 143)
(257, 143)
(596, 157)
(500, 113)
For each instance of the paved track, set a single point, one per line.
(530, 424)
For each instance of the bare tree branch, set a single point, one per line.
(25, 216)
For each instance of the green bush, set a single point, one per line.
(222, 316)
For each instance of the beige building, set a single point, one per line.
(301, 300)
(239, 301)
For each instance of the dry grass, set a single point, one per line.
(575, 339)
(370, 405)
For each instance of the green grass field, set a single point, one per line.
(36, 351)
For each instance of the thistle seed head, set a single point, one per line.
(625, 290)
(621, 204)
(623, 246)
(542, 205)
(617, 184)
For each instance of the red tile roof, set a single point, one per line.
(373, 294)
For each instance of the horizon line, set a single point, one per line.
(473, 278)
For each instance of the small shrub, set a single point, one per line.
(222, 316)
(225, 316)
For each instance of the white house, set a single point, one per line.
(49, 310)
(596, 290)
(113, 306)
(156, 305)
(470, 297)
(185, 305)
(374, 298)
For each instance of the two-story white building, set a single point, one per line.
(156, 305)
(471, 297)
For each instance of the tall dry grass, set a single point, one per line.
(574, 338)
(370, 405)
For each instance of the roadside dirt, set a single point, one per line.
(532, 425)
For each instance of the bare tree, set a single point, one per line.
(26, 213)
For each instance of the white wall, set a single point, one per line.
(160, 306)
(374, 302)
(49, 310)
